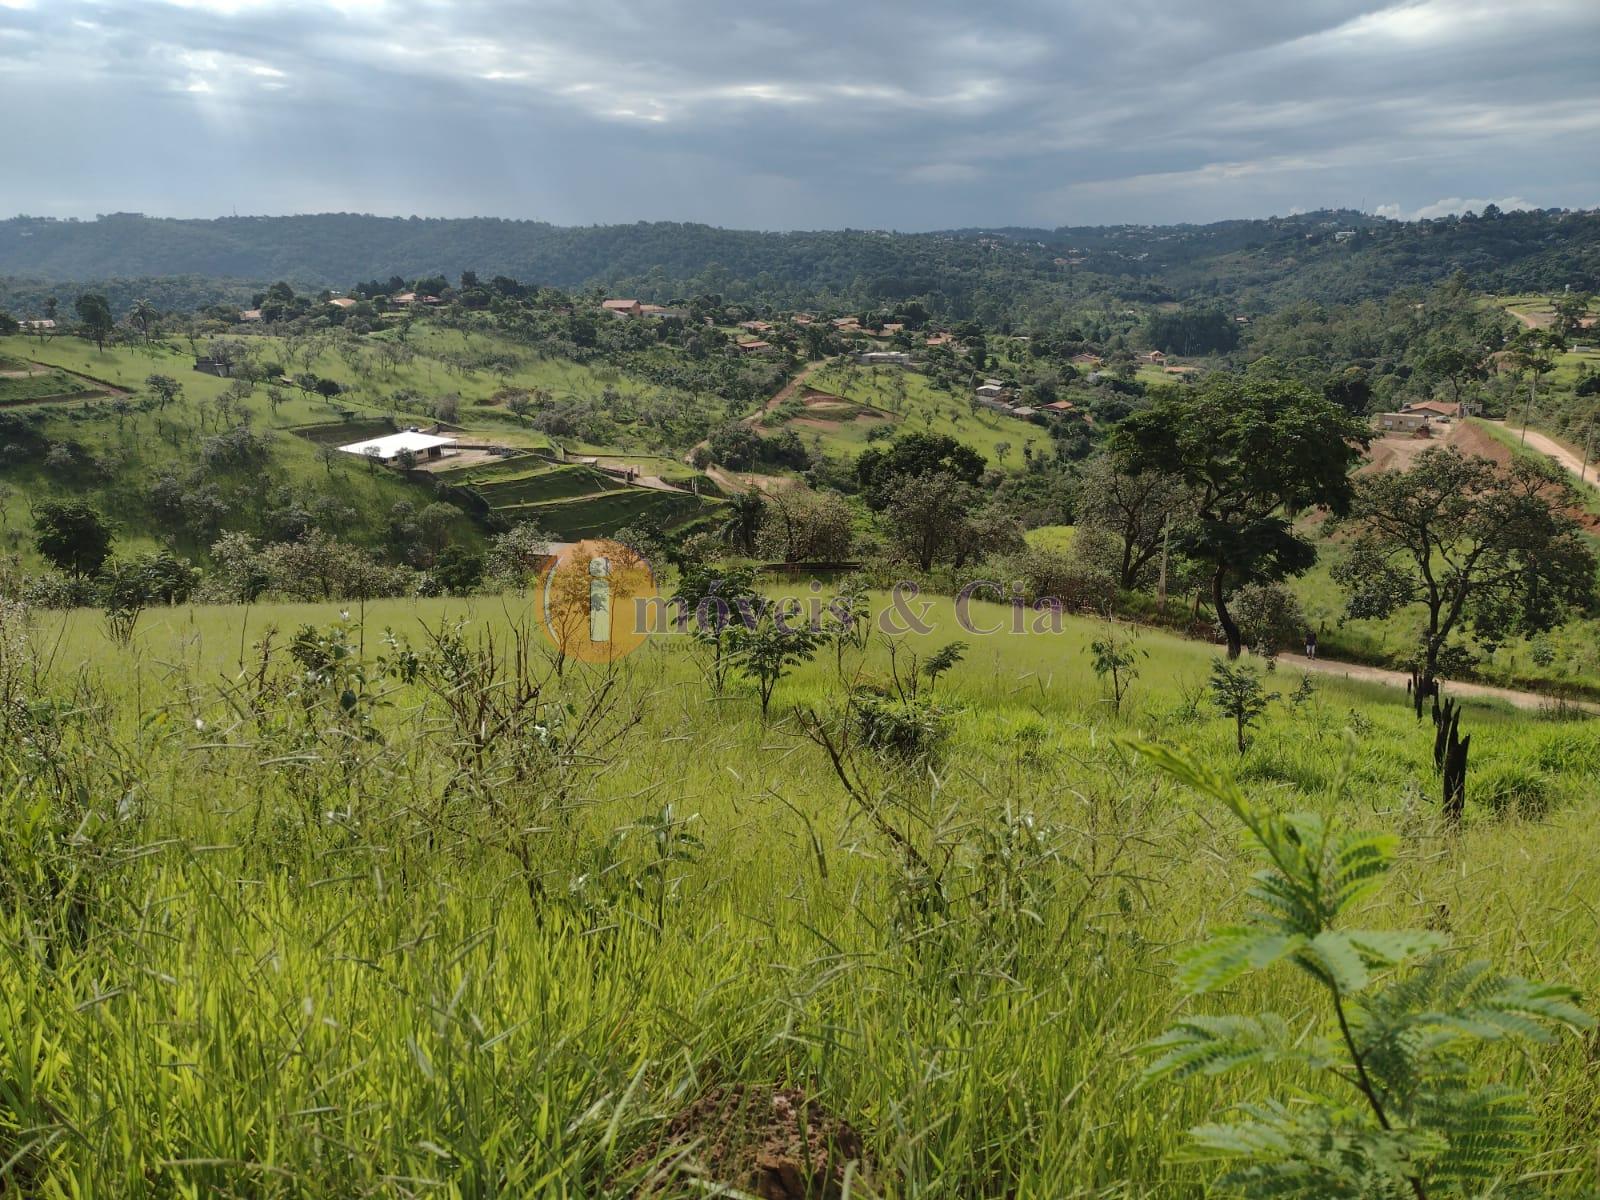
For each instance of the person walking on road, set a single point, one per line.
(1311, 643)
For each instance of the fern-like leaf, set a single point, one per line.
(1229, 953)
(1215, 1045)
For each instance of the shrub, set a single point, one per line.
(1385, 1100)
(1269, 617)
(911, 730)
(1513, 789)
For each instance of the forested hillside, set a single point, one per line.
(993, 276)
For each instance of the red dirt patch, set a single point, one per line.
(1394, 453)
(769, 1142)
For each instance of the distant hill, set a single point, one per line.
(992, 275)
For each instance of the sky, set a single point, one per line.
(805, 114)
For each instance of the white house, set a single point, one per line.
(387, 449)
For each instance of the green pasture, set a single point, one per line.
(311, 944)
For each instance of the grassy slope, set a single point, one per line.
(371, 387)
(274, 1000)
(143, 443)
(920, 409)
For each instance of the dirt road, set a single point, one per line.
(727, 481)
(1398, 679)
(1545, 445)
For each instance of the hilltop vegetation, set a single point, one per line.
(999, 276)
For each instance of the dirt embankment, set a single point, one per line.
(1396, 452)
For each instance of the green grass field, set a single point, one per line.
(272, 933)
(42, 384)
(915, 407)
(123, 452)
(117, 455)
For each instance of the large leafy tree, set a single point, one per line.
(926, 516)
(881, 469)
(95, 314)
(72, 536)
(1137, 510)
(1253, 451)
(1482, 547)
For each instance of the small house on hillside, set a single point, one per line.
(412, 441)
(1153, 356)
(1439, 410)
(623, 308)
(884, 358)
(753, 346)
(1085, 359)
(250, 314)
(755, 326)
(341, 302)
(1402, 422)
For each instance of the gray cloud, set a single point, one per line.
(814, 113)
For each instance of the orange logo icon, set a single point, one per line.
(597, 599)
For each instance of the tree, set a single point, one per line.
(95, 315)
(1237, 692)
(879, 469)
(1457, 362)
(1253, 452)
(458, 570)
(807, 526)
(772, 646)
(1533, 353)
(1116, 661)
(746, 512)
(1480, 546)
(143, 314)
(735, 445)
(74, 537)
(1138, 510)
(517, 555)
(165, 387)
(1384, 1100)
(925, 515)
(711, 599)
(1570, 310)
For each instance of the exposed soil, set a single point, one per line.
(1394, 451)
(1478, 441)
(768, 1142)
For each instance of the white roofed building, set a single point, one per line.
(410, 441)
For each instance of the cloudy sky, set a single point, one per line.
(798, 114)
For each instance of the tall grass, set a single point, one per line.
(273, 924)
